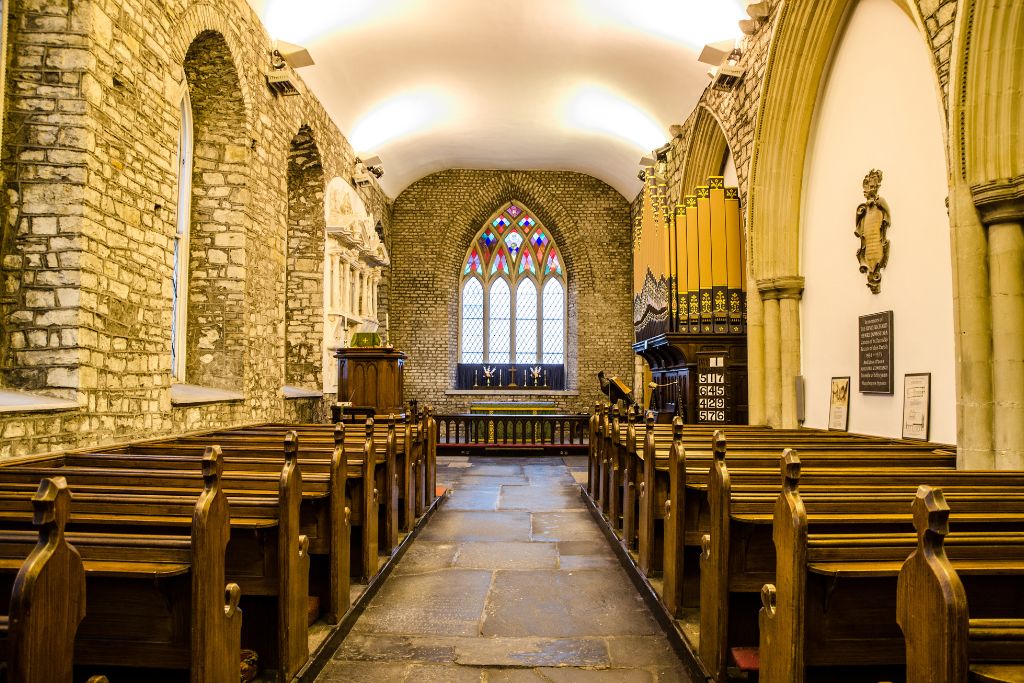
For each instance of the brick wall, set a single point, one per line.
(432, 224)
(90, 172)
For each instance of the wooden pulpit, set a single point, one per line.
(371, 378)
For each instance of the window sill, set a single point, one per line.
(193, 394)
(511, 393)
(291, 392)
(24, 402)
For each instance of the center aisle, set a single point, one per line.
(511, 580)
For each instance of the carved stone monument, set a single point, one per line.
(872, 224)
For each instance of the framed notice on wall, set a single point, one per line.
(839, 404)
(917, 396)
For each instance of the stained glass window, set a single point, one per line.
(553, 334)
(472, 321)
(500, 322)
(526, 322)
(513, 292)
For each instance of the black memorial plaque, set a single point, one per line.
(712, 390)
(875, 342)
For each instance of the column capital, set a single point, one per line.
(786, 287)
(1000, 201)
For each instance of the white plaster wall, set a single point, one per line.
(729, 171)
(879, 108)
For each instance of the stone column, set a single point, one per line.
(755, 356)
(772, 358)
(1002, 210)
(789, 291)
(973, 327)
(345, 285)
(1006, 282)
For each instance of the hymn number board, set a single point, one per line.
(712, 390)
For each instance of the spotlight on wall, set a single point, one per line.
(284, 59)
(724, 58)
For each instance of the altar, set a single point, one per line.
(512, 408)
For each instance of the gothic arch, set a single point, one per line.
(705, 152)
(202, 18)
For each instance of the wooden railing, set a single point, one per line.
(513, 430)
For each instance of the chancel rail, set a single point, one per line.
(562, 432)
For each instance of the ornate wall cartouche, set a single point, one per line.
(872, 224)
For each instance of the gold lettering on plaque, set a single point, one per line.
(872, 224)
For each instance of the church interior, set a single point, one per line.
(392, 340)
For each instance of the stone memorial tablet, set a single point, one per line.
(875, 353)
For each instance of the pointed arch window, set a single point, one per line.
(179, 278)
(513, 293)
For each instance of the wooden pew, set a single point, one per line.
(182, 613)
(833, 602)
(932, 611)
(268, 556)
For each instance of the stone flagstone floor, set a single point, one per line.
(511, 580)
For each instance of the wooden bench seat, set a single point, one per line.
(183, 615)
(815, 616)
(268, 559)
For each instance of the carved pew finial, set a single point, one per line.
(339, 434)
(213, 467)
(677, 428)
(718, 444)
(649, 419)
(369, 427)
(931, 519)
(790, 465)
(51, 506)
(291, 446)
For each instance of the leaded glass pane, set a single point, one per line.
(501, 223)
(500, 264)
(473, 322)
(500, 335)
(526, 322)
(553, 330)
(473, 264)
(526, 263)
(527, 223)
(539, 240)
(513, 241)
(513, 211)
(553, 264)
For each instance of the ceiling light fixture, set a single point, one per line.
(284, 59)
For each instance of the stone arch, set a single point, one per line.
(986, 207)
(801, 50)
(202, 18)
(465, 224)
(706, 151)
(215, 339)
(304, 263)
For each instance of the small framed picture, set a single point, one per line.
(839, 404)
(917, 398)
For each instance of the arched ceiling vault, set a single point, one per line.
(583, 85)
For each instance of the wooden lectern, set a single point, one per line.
(371, 378)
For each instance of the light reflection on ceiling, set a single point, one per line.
(583, 85)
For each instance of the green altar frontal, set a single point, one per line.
(512, 408)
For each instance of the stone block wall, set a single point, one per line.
(89, 160)
(432, 224)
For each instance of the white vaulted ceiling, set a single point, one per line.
(583, 85)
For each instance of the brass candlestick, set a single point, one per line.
(475, 385)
